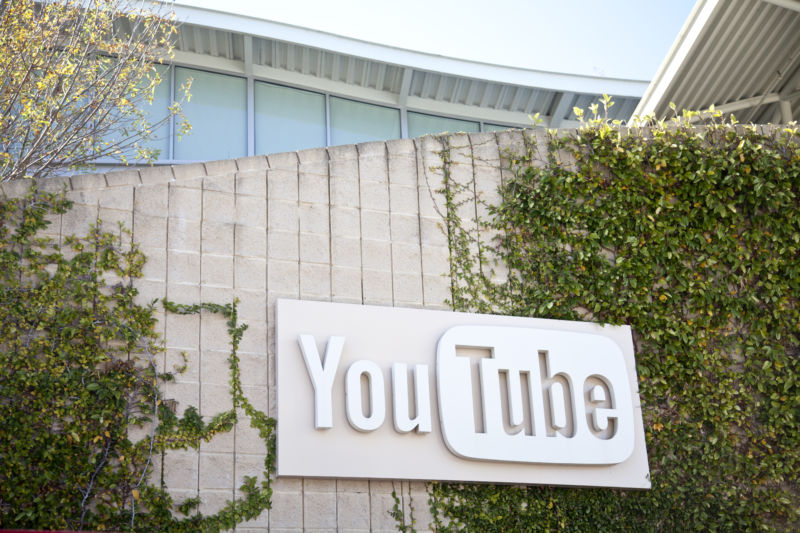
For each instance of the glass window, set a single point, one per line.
(217, 113)
(356, 122)
(154, 112)
(288, 119)
(496, 127)
(420, 124)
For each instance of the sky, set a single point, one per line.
(624, 39)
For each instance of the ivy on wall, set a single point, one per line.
(691, 236)
(78, 374)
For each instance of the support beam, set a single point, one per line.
(786, 111)
(793, 5)
(560, 109)
(251, 100)
(405, 86)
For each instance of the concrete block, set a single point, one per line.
(250, 273)
(313, 156)
(215, 399)
(345, 252)
(313, 187)
(407, 289)
(253, 368)
(397, 147)
(432, 231)
(214, 367)
(183, 235)
(344, 190)
(150, 231)
(252, 304)
(252, 182)
(181, 469)
(217, 237)
(283, 216)
(345, 222)
(88, 181)
(156, 266)
(283, 245)
(314, 248)
(111, 218)
(315, 281)
(283, 276)
(435, 260)
(371, 148)
(151, 200)
(405, 229)
(437, 291)
(54, 184)
(376, 255)
(314, 218)
(213, 501)
(406, 257)
(319, 485)
(189, 360)
(373, 167)
(283, 160)
(185, 203)
(287, 510)
(377, 285)
(188, 171)
(183, 267)
(380, 506)
(183, 331)
(353, 510)
(282, 184)
(214, 332)
(404, 199)
(375, 225)
(16, 188)
(151, 175)
(216, 471)
(78, 220)
(219, 207)
(342, 153)
(224, 166)
(248, 441)
(149, 290)
(258, 397)
(375, 195)
(185, 395)
(220, 183)
(346, 284)
(319, 510)
(250, 241)
(256, 162)
(116, 198)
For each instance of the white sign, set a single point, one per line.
(381, 392)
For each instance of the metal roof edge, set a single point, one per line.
(557, 81)
(678, 52)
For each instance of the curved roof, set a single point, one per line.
(389, 75)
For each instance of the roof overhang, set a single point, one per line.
(741, 56)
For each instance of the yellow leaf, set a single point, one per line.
(135, 494)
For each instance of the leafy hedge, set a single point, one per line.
(78, 376)
(691, 236)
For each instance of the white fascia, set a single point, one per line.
(675, 58)
(407, 58)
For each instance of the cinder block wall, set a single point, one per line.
(359, 224)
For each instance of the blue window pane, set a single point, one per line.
(420, 124)
(217, 114)
(496, 127)
(356, 122)
(288, 119)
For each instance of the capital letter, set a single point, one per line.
(322, 375)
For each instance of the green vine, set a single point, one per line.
(78, 372)
(691, 236)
